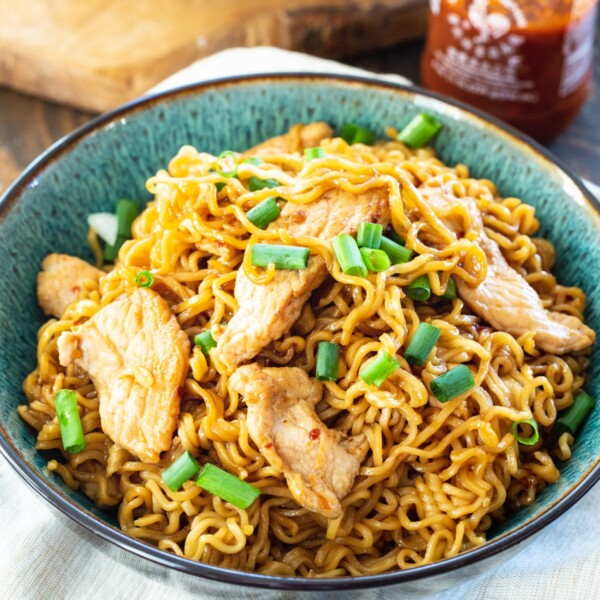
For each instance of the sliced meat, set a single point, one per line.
(296, 140)
(504, 299)
(319, 464)
(61, 279)
(266, 312)
(138, 357)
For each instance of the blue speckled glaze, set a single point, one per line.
(46, 212)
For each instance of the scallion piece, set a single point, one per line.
(354, 134)
(263, 213)
(526, 441)
(225, 155)
(316, 152)
(450, 293)
(379, 370)
(375, 260)
(227, 486)
(571, 419)
(126, 211)
(398, 254)
(283, 257)
(348, 255)
(452, 383)
(369, 235)
(422, 344)
(144, 279)
(396, 238)
(419, 289)
(69, 421)
(419, 131)
(105, 225)
(256, 183)
(206, 341)
(327, 361)
(220, 185)
(253, 160)
(182, 469)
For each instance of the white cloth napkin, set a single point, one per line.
(40, 558)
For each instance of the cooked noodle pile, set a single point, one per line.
(436, 476)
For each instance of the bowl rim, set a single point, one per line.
(118, 538)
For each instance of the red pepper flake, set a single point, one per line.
(269, 445)
(180, 391)
(314, 434)
(76, 289)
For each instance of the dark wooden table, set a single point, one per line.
(29, 125)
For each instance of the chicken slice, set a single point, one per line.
(296, 140)
(504, 298)
(137, 357)
(266, 312)
(61, 279)
(319, 464)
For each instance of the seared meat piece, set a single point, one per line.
(137, 357)
(60, 281)
(319, 464)
(296, 140)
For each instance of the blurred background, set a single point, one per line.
(63, 61)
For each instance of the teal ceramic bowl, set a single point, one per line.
(111, 157)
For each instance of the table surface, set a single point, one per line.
(29, 125)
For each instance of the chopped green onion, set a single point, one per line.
(379, 370)
(317, 152)
(227, 154)
(419, 131)
(375, 260)
(396, 238)
(283, 257)
(126, 211)
(452, 383)
(422, 344)
(369, 235)
(105, 225)
(348, 255)
(450, 293)
(206, 341)
(327, 361)
(419, 289)
(184, 468)
(571, 419)
(354, 134)
(227, 486)
(253, 160)
(398, 254)
(263, 213)
(69, 421)
(220, 185)
(256, 183)
(144, 279)
(526, 441)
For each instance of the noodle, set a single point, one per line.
(436, 476)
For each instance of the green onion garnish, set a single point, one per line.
(256, 183)
(369, 235)
(327, 361)
(220, 185)
(263, 213)
(526, 441)
(69, 421)
(422, 344)
(222, 172)
(395, 237)
(126, 211)
(348, 255)
(419, 289)
(452, 383)
(227, 486)
(283, 257)
(184, 468)
(375, 260)
(398, 254)
(206, 341)
(419, 131)
(253, 160)
(317, 152)
(354, 134)
(144, 279)
(379, 370)
(450, 293)
(571, 418)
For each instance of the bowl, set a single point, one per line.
(112, 156)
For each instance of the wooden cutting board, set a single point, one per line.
(96, 54)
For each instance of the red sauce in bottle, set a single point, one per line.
(528, 62)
